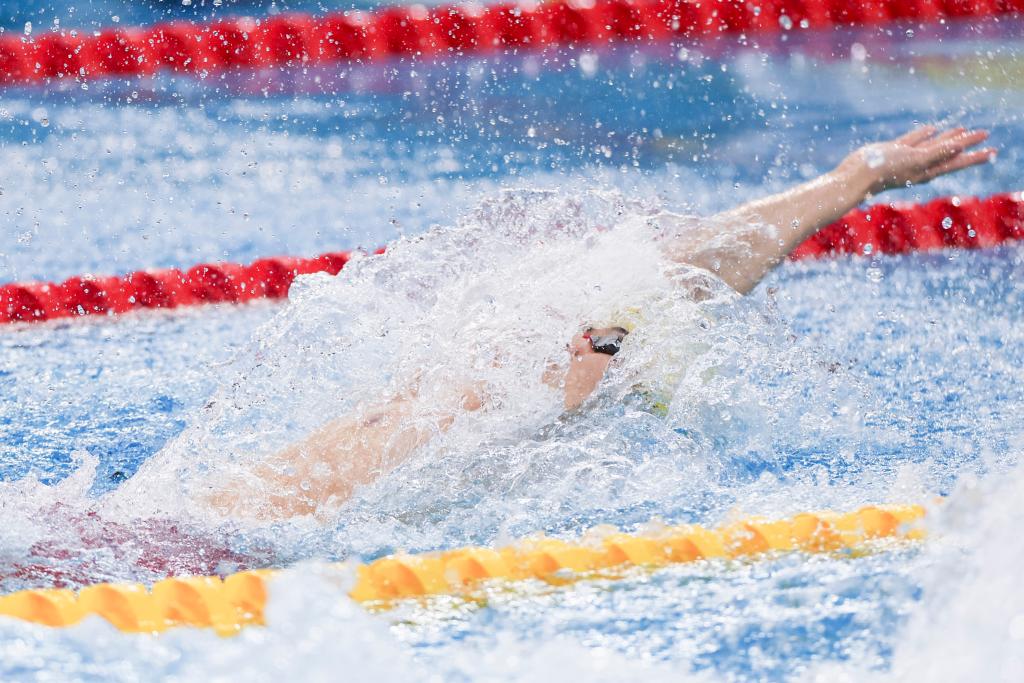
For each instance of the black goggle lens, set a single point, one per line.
(609, 344)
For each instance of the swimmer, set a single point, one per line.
(323, 470)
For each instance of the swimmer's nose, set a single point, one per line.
(578, 346)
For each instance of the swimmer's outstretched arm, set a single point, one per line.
(786, 219)
(323, 470)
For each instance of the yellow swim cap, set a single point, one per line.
(629, 318)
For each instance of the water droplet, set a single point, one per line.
(785, 22)
(947, 223)
(588, 64)
(874, 157)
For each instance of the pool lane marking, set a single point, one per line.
(887, 228)
(238, 600)
(206, 49)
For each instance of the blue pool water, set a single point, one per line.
(838, 383)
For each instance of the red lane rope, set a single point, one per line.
(300, 39)
(88, 295)
(961, 222)
(967, 223)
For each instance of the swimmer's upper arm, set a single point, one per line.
(721, 245)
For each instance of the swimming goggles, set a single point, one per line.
(608, 344)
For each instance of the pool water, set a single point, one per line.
(835, 384)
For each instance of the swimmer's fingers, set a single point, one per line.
(961, 161)
(917, 136)
(949, 145)
(947, 135)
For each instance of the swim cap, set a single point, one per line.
(628, 318)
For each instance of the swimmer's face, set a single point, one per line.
(587, 366)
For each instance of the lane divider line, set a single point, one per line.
(238, 600)
(206, 283)
(948, 222)
(295, 39)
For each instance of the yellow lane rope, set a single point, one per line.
(238, 600)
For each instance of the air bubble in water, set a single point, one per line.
(947, 223)
(785, 22)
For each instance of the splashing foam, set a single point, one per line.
(493, 302)
(971, 625)
(682, 427)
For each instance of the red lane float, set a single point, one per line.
(415, 30)
(966, 223)
(267, 278)
(959, 222)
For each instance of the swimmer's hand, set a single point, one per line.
(917, 157)
(796, 214)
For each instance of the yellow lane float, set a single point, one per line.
(226, 605)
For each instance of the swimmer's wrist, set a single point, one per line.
(856, 179)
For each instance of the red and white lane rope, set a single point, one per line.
(957, 222)
(414, 30)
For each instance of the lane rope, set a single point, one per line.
(900, 228)
(293, 39)
(227, 605)
(959, 222)
(206, 283)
